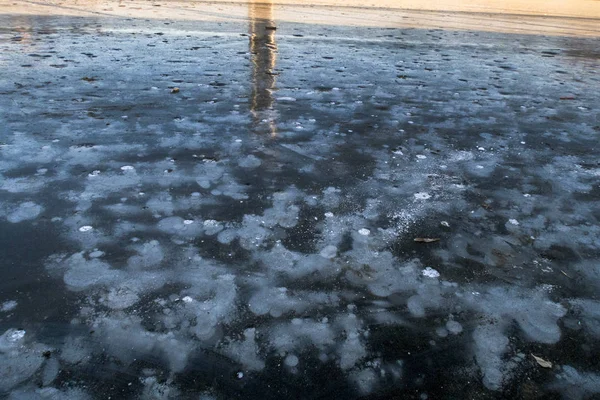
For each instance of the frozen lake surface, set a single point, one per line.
(256, 209)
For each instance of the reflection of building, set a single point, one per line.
(263, 49)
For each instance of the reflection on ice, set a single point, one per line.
(263, 50)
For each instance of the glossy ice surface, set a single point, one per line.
(221, 200)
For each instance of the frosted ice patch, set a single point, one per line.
(121, 298)
(188, 221)
(187, 299)
(329, 251)
(246, 351)
(212, 227)
(25, 211)
(513, 221)
(49, 374)
(575, 384)
(421, 156)
(351, 350)
(154, 389)
(249, 162)
(454, 327)
(177, 226)
(291, 360)
(441, 332)
(293, 335)
(227, 236)
(329, 214)
(127, 168)
(149, 255)
(19, 363)
(8, 306)
(85, 228)
(364, 232)
(422, 196)
(365, 380)
(82, 274)
(430, 273)
(535, 314)
(489, 348)
(96, 254)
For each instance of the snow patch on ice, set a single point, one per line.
(431, 273)
(8, 306)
